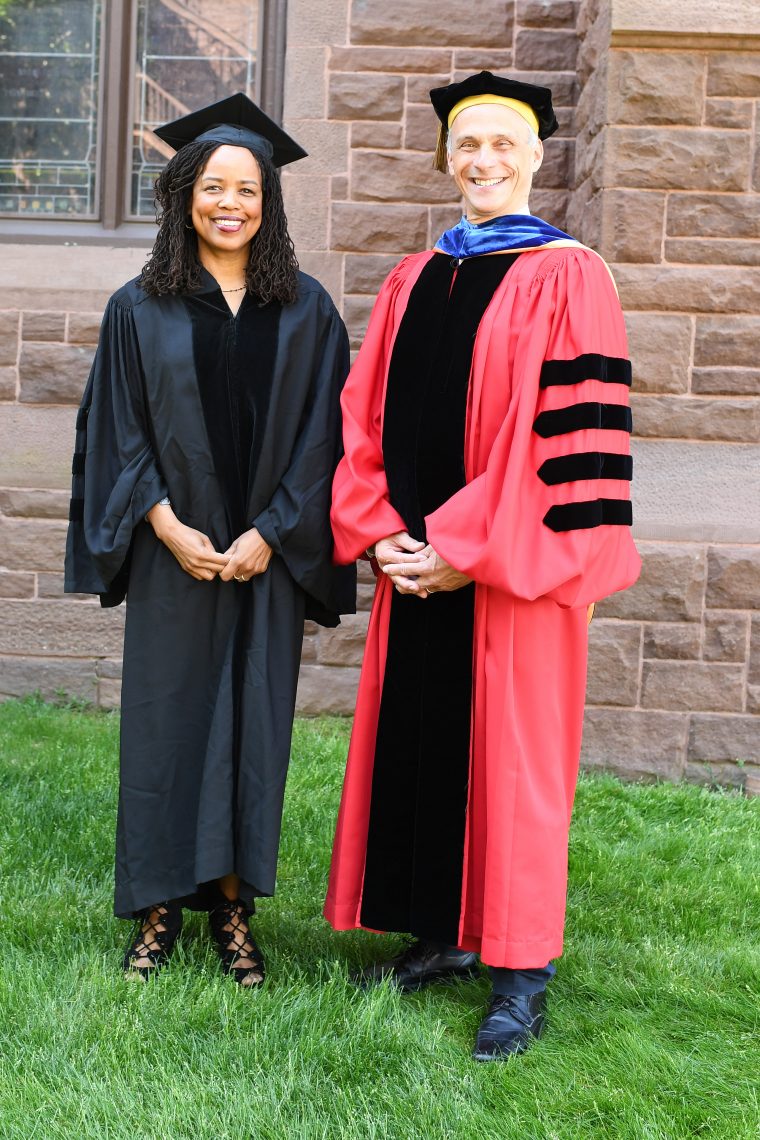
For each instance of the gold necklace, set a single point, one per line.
(240, 290)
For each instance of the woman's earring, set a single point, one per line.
(191, 226)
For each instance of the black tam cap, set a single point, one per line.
(538, 99)
(235, 121)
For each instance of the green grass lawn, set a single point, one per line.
(654, 1017)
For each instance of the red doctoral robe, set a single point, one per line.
(537, 526)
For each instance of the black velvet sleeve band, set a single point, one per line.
(77, 463)
(590, 366)
(586, 465)
(609, 417)
(584, 516)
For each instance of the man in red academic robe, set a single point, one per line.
(487, 471)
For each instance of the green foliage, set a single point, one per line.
(653, 1032)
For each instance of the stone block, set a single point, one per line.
(339, 187)
(723, 739)
(672, 640)
(547, 13)
(551, 205)
(733, 577)
(306, 81)
(659, 345)
(682, 417)
(753, 674)
(343, 645)
(418, 87)
(37, 446)
(376, 136)
(109, 693)
(50, 628)
(324, 690)
(711, 251)
(434, 61)
(683, 686)
(53, 373)
(631, 225)
(43, 326)
(733, 113)
(83, 328)
(365, 596)
(326, 142)
(32, 544)
(726, 775)
(317, 24)
(434, 23)
(727, 341)
(670, 588)
(307, 205)
(726, 636)
(685, 158)
(362, 96)
(109, 668)
(309, 649)
(726, 381)
(734, 73)
(356, 314)
(635, 88)
(23, 503)
(613, 664)
(365, 273)
(420, 128)
(466, 60)
(694, 288)
(549, 50)
(635, 744)
(50, 677)
(50, 585)
(326, 267)
(10, 334)
(556, 169)
(14, 585)
(713, 216)
(378, 229)
(8, 383)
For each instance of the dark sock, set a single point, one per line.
(520, 983)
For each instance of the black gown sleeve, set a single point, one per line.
(116, 479)
(296, 523)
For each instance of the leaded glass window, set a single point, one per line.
(188, 53)
(49, 96)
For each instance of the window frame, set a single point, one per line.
(114, 226)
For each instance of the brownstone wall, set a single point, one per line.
(668, 191)
(665, 188)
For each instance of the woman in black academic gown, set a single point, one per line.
(206, 443)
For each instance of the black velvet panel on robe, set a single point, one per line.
(237, 420)
(415, 845)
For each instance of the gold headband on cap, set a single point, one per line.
(523, 109)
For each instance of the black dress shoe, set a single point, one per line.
(510, 1027)
(418, 966)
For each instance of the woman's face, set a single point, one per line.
(227, 202)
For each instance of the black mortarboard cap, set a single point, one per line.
(235, 121)
(444, 99)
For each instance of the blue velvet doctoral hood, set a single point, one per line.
(511, 231)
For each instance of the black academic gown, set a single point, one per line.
(236, 419)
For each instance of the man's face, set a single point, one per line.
(493, 157)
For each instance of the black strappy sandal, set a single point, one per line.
(235, 944)
(159, 928)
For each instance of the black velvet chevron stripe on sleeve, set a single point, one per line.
(82, 415)
(77, 463)
(76, 510)
(584, 516)
(586, 465)
(609, 417)
(590, 366)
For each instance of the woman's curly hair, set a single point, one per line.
(174, 265)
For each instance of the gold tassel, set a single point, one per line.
(440, 162)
